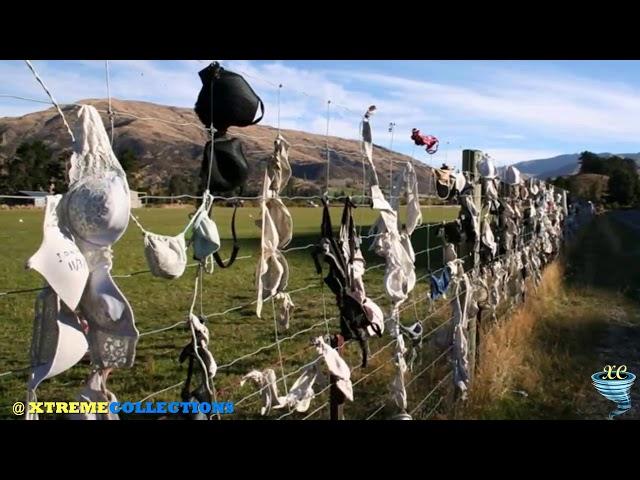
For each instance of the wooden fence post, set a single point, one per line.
(336, 397)
(470, 159)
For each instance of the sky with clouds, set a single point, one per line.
(513, 110)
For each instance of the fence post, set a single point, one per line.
(336, 397)
(470, 159)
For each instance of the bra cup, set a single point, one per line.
(276, 275)
(284, 280)
(393, 280)
(112, 332)
(97, 209)
(410, 280)
(166, 256)
(58, 342)
(282, 221)
(229, 169)
(59, 260)
(443, 191)
(206, 239)
(375, 315)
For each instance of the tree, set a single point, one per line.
(34, 167)
(623, 188)
(181, 185)
(561, 182)
(592, 163)
(128, 161)
(624, 183)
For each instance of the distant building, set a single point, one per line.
(135, 198)
(37, 199)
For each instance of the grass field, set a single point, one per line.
(159, 303)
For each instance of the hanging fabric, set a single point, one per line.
(367, 141)
(59, 260)
(397, 385)
(460, 304)
(200, 358)
(266, 381)
(344, 279)
(301, 393)
(272, 273)
(226, 99)
(337, 366)
(229, 168)
(95, 390)
(96, 208)
(58, 342)
(284, 309)
(429, 141)
(394, 243)
(488, 239)
(278, 168)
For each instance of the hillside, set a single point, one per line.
(173, 146)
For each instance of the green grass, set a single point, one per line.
(159, 303)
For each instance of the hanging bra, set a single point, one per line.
(344, 277)
(166, 256)
(59, 260)
(272, 271)
(96, 207)
(95, 390)
(113, 335)
(278, 168)
(205, 238)
(58, 342)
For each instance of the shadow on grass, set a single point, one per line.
(606, 255)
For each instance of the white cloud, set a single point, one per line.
(551, 105)
(528, 110)
(511, 136)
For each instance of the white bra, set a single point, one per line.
(98, 202)
(57, 344)
(166, 256)
(59, 260)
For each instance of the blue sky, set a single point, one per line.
(513, 110)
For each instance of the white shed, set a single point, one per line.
(135, 198)
(38, 199)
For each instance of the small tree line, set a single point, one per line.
(619, 184)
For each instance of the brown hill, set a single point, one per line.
(168, 141)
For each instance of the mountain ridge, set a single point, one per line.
(561, 165)
(168, 141)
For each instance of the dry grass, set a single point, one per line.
(536, 363)
(505, 364)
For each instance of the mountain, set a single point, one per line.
(168, 141)
(562, 164)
